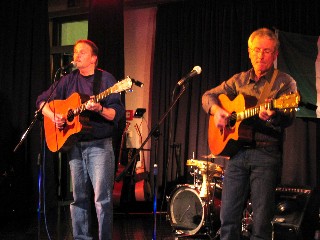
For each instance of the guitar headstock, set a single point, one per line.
(287, 102)
(123, 85)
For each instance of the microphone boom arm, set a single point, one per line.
(152, 132)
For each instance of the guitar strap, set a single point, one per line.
(97, 81)
(267, 88)
(265, 93)
(86, 133)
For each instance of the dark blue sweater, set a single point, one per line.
(98, 126)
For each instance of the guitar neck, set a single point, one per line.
(250, 112)
(96, 99)
(285, 103)
(117, 88)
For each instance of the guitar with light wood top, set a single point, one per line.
(71, 108)
(117, 187)
(142, 188)
(227, 141)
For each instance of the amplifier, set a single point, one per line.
(291, 205)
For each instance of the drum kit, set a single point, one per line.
(194, 209)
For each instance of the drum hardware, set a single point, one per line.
(205, 166)
(203, 173)
(197, 182)
(193, 209)
(202, 165)
(204, 187)
(222, 161)
(206, 192)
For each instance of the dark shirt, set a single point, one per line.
(98, 126)
(243, 83)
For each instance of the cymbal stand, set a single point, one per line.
(208, 203)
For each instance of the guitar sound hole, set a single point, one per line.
(70, 115)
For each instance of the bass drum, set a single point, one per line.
(186, 210)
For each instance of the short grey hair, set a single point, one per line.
(264, 32)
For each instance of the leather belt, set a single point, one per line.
(259, 144)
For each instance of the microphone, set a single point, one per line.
(70, 65)
(195, 71)
(137, 83)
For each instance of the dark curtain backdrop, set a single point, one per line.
(105, 28)
(213, 35)
(24, 70)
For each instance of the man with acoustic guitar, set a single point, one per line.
(91, 157)
(254, 143)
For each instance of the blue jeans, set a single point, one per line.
(92, 165)
(253, 171)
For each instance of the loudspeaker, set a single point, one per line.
(291, 205)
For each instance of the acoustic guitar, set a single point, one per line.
(117, 188)
(227, 141)
(142, 188)
(71, 108)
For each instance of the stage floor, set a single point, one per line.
(131, 225)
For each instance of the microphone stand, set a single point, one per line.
(38, 116)
(153, 132)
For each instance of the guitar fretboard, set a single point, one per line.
(118, 87)
(251, 112)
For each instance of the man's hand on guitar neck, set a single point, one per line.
(266, 114)
(91, 105)
(220, 116)
(107, 113)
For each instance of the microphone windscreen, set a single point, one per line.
(197, 69)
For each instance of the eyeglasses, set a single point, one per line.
(263, 51)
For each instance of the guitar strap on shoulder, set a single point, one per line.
(267, 88)
(97, 81)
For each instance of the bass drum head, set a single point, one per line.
(186, 210)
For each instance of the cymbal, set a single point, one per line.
(204, 165)
(214, 156)
(194, 162)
